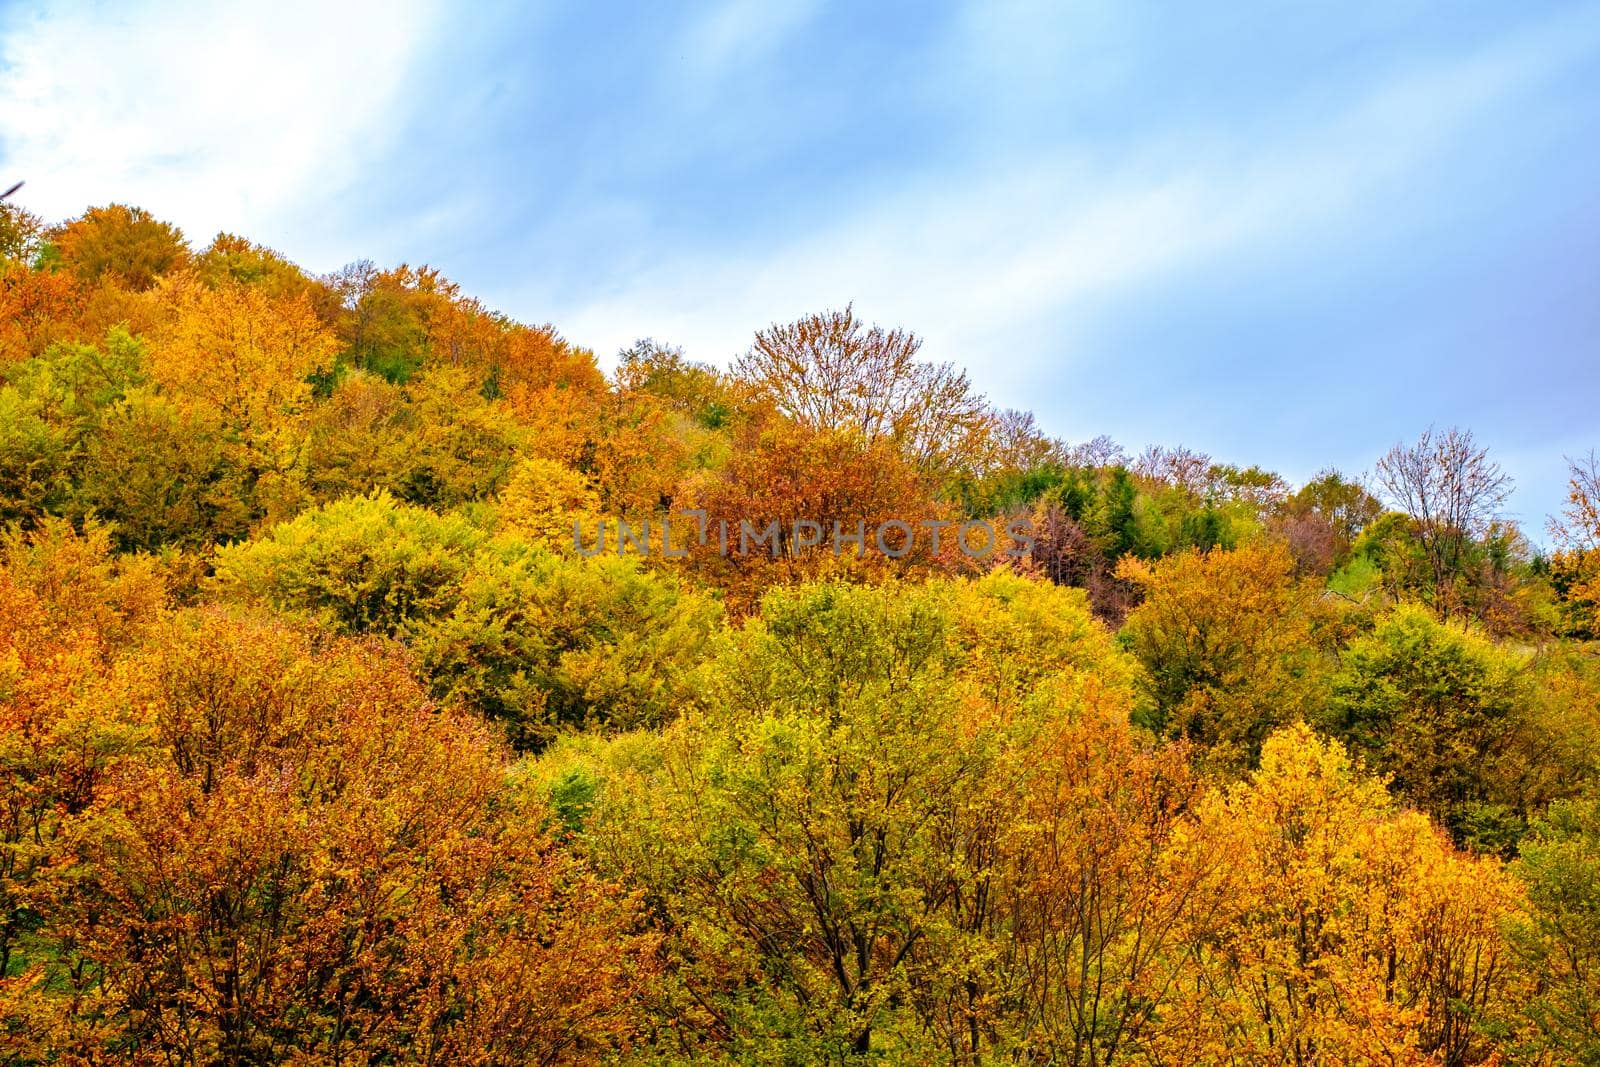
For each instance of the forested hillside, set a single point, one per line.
(341, 724)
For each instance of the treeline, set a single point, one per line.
(324, 744)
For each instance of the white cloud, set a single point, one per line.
(218, 117)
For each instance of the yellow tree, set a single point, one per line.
(1071, 928)
(238, 351)
(244, 350)
(1339, 930)
(838, 840)
(434, 441)
(543, 501)
(230, 258)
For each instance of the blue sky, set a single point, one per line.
(1287, 234)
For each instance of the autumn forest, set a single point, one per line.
(326, 741)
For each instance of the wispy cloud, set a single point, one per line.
(978, 260)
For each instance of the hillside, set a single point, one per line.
(384, 683)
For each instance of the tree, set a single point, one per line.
(159, 468)
(544, 502)
(232, 259)
(68, 608)
(1019, 444)
(1344, 504)
(1342, 931)
(400, 321)
(831, 372)
(1323, 518)
(814, 824)
(360, 564)
(20, 232)
(86, 436)
(538, 358)
(1114, 521)
(455, 446)
(1180, 467)
(1575, 567)
(37, 308)
(434, 441)
(1559, 939)
(1019, 466)
(360, 438)
(1578, 527)
(1451, 490)
(34, 460)
(695, 389)
(309, 862)
(542, 643)
(639, 450)
(1099, 451)
(823, 838)
(537, 641)
(242, 350)
(1230, 642)
(122, 244)
(1094, 913)
(781, 474)
(398, 315)
(1436, 708)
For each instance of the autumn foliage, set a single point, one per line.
(338, 725)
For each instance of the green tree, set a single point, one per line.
(362, 564)
(1434, 706)
(159, 469)
(823, 837)
(544, 642)
(1559, 941)
(50, 412)
(1115, 523)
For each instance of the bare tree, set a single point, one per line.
(831, 371)
(1452, 491)
(1100, 452)
(1578, 527)
(1182, 467)
(1018, 443)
